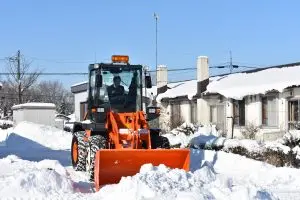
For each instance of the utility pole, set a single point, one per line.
(156, 19)
(19, 76)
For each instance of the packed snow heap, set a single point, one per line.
(45, 172)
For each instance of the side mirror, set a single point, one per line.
(98, 80)
(148, 82)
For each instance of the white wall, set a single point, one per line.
(18, 116)
(39, 116)
(203, 112)
(185, 111)
(79, 97)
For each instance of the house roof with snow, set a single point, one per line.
(34, 106)
(240, 84)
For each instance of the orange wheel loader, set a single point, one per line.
(115, 139)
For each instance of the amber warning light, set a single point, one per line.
(120, 59)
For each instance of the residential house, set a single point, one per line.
(267, 98)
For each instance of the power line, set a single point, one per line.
(50, 73)
(61, 61)
(35, 95)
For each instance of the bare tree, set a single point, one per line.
(20, 77)
(52, 92)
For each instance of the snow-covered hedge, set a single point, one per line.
(282, 152)
(5, 124)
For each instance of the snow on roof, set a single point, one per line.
(238, 85)
(178, 89)
(76, 84)
(34, 105)
(187, 88)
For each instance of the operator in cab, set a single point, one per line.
(116, 91)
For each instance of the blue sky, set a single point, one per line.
(258, 33)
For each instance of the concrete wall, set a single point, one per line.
(39, 116)
(79, 97)
(18, 116)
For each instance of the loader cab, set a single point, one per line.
(115, 86)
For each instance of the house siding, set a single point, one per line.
(79, 98)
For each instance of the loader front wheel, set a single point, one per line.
(78, 151)
(96, 142)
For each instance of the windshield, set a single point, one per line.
(120, 91)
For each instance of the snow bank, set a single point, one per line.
(72, 117)
(3, 135)
(277, 146)
(39, 180)
(44, 135)
(188, 133)
(238, 85)
(164, 183)
(252, 146)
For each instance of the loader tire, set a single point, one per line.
(78, 151)
(160, 142)
(96, 142)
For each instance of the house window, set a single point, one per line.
(176, 119)
(217, 116)
(270, 111)
(293, 116)
(194, 112)
(83, 110)
(239, 112)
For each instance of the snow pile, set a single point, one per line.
(72, 117)
(277, 146)
(189, 134)
(4, 134)
(182, 134)
(213, 175)
(238, 85)
(164, 183)
(42, 135)
(252, 146)
(25, 179)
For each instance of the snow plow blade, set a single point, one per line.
(112, 164)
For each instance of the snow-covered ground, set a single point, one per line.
(35, 164)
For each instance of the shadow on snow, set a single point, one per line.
(27, 149)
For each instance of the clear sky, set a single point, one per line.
(65, 35)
